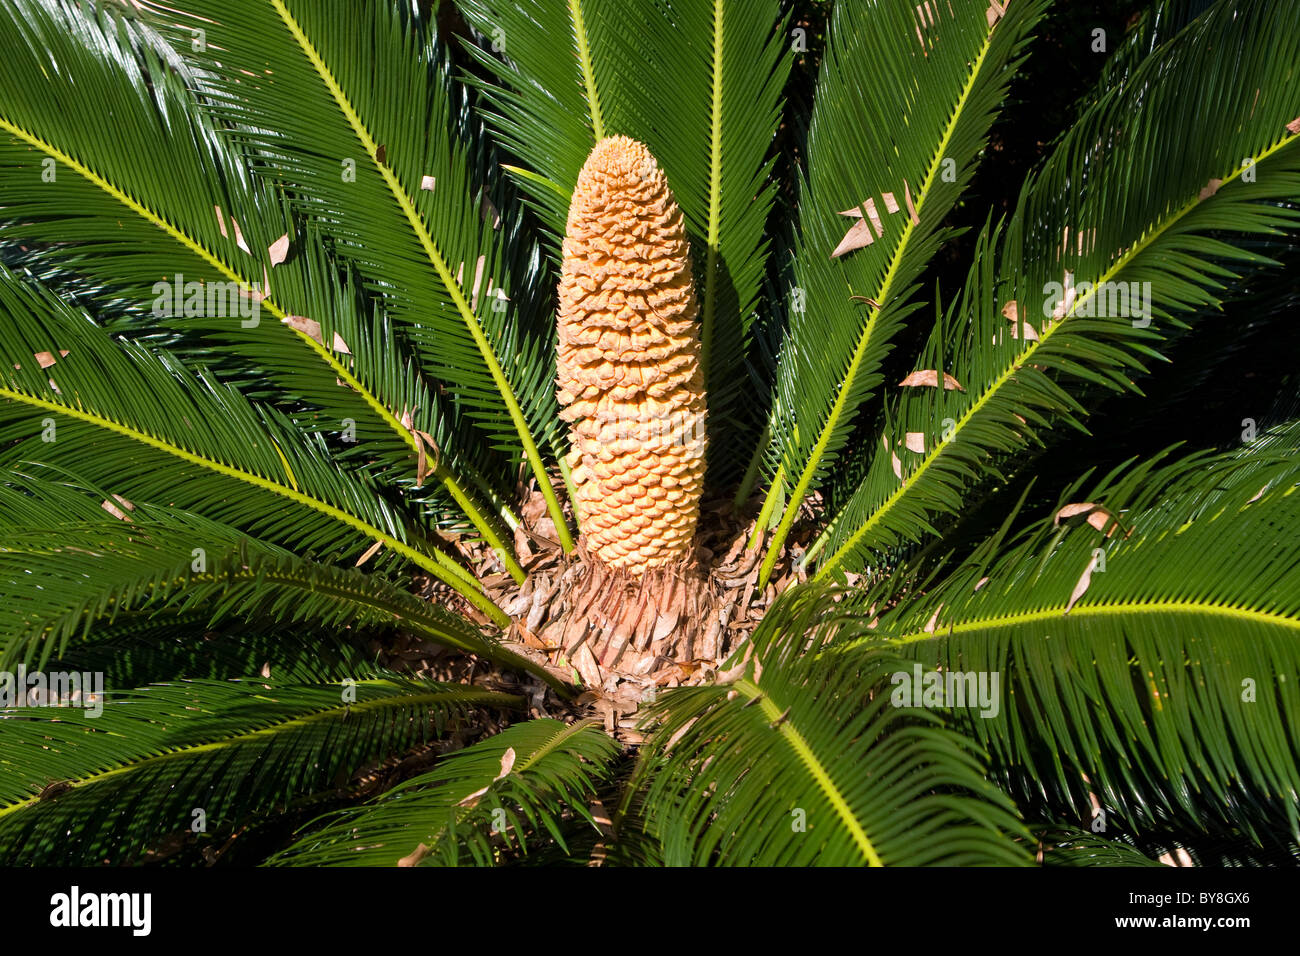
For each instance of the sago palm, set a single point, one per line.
(547, 431)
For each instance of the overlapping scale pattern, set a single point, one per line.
(629, 376)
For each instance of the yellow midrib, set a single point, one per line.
(436, 567)
(278, 728)
(715, 196)
(1112, 609)
(588, 73)
(468, 317)
(1022, 358)
(841, 399)
(804, 751)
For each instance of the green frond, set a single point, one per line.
(1150, 663)
(1144, 217)
(1071, 846)
(295, 85)
(546, 110)
(902, 153)
(136, 423)
(144, 769)
(170, 565)
(162, 201)
(494, 801)
(804, 761)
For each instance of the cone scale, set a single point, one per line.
(630, 383)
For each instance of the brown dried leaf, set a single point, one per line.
(994, 13)
(1085, 579)
(1210, 188)
(911, 209)
(46, 359)
(897, 465)
(1069, 511)
(1293, 127)
(915, 441)
(933, 622)
(108, 505)
(891, 204)
(239, 236)
(930, 377)
(859, 235)
(427, 183)
(370, 553)
(279, 250)
(221, 222)
(507, 762)
(300, 323)
(415, 856)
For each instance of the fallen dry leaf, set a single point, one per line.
(933, 622)
(859, 235)
(415, 856)
(1069, 511)
(911, 209)
(428, 182)
(1293, 127)
(370, 553)
(1081, 586)
(915, 441)
(897, 465)
(278, 250)
(1210, 188)
(930, 377)
(239, 236)
(108, 505)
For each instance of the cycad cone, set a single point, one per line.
(630, 382)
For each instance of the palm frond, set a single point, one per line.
(358, 151)
(163, 201)
(804, 761)
(1137, 217)
(898, 157)
(87, 789)
(141, 426)
(1146, 655)
(168, 565)
(499, 799)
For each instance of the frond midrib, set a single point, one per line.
(1021, 358)
(588, 73)
(434, 254)
(882, 296)
(440, 565)
(1102, 609)
(804, 751)
(456, 695)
